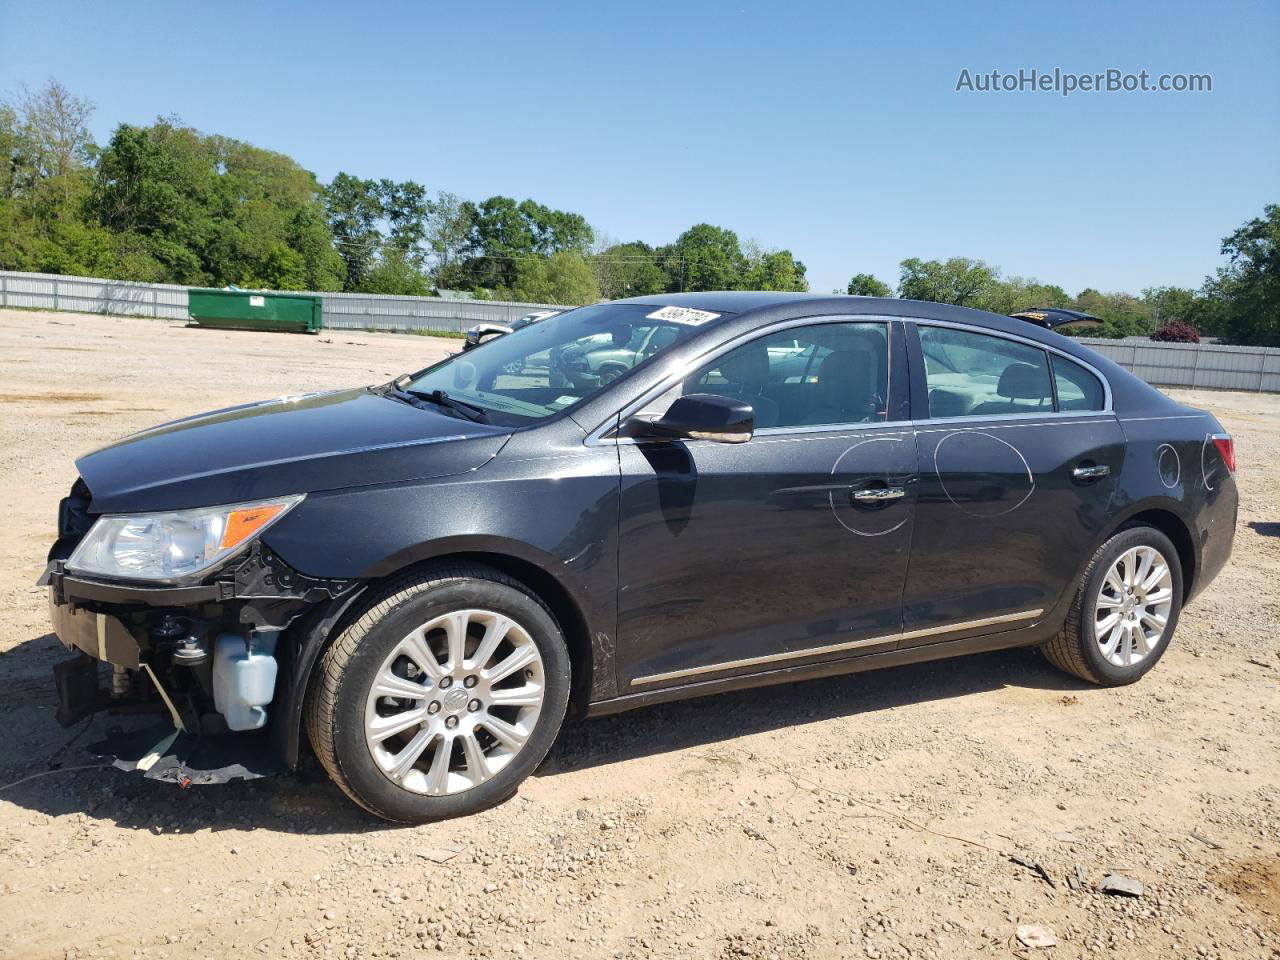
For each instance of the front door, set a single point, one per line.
(792, 547)
(1017, 461)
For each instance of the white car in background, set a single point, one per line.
(484, 332)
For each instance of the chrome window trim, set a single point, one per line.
(1061, 418)
(988, 332)
(806, 428)
(1177, 416)
(837, 431)
(679, 371)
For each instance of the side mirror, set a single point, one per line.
(698, 416)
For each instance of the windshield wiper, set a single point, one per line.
(442, 399)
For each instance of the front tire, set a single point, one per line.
(442, 696)
(1124, 612)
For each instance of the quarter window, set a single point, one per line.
(1078, 389)
(975, 375)
(826, 373)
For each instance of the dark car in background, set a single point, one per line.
(417, 580)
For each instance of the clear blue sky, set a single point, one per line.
(831, 129)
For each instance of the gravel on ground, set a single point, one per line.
(970, 808)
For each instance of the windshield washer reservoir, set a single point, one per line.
(244, 678)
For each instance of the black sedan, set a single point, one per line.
(418, 580)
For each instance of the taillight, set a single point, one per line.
(1226, 449)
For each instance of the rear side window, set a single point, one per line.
(1078, 389)
(975, 375)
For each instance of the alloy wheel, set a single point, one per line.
(1133, 606)
(454, 702)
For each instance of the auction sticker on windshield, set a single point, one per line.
(682, 315)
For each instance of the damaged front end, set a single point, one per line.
(216, 660)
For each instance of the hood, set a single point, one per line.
(319, 441)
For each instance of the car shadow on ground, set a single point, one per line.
(1265, 528)
(723, 717)
(309, 803)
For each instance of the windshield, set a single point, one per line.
(549, 366)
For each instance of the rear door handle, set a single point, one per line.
(1091, 471)
(878, 494)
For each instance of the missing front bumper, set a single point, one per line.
(99, 635)
(79, 693)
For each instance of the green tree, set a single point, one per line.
(308, 234)
(354, 208)
(629, 270)
(46, 156)
(865, 285)
(406, 208)
(208, 210)
(564, 277)
(1243, 299)
(706, 257)
(1122, 314)
(505, 234)
(500, 238)
(1174, 305)
(1011, 294)
(772, 270)
(958, 280)
(278, 268)
(269, 221)
(154, 190)
(397, 274)
(448, 229)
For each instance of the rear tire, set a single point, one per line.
(460, 738)
(1121, 593)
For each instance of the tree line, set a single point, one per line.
(1239, 303)
(167, 203)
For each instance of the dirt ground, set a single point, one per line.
(865, 816)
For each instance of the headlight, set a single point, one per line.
(173, 546)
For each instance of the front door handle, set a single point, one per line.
(878, 494)
(1091, 471)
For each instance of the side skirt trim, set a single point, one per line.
(836, 647)
(1020, 637)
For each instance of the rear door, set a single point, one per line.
(1017, 457)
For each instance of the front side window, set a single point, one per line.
(1078, 389)
(551, 365)
(975, 375)
(827, 373)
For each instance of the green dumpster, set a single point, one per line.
(247, 310)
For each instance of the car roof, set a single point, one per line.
(804, 304)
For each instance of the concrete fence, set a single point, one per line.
(1164, 364)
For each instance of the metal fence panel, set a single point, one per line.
(1163, 364)
(46, 291)
(342, 311)
(1210, 365)
(356, 311)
